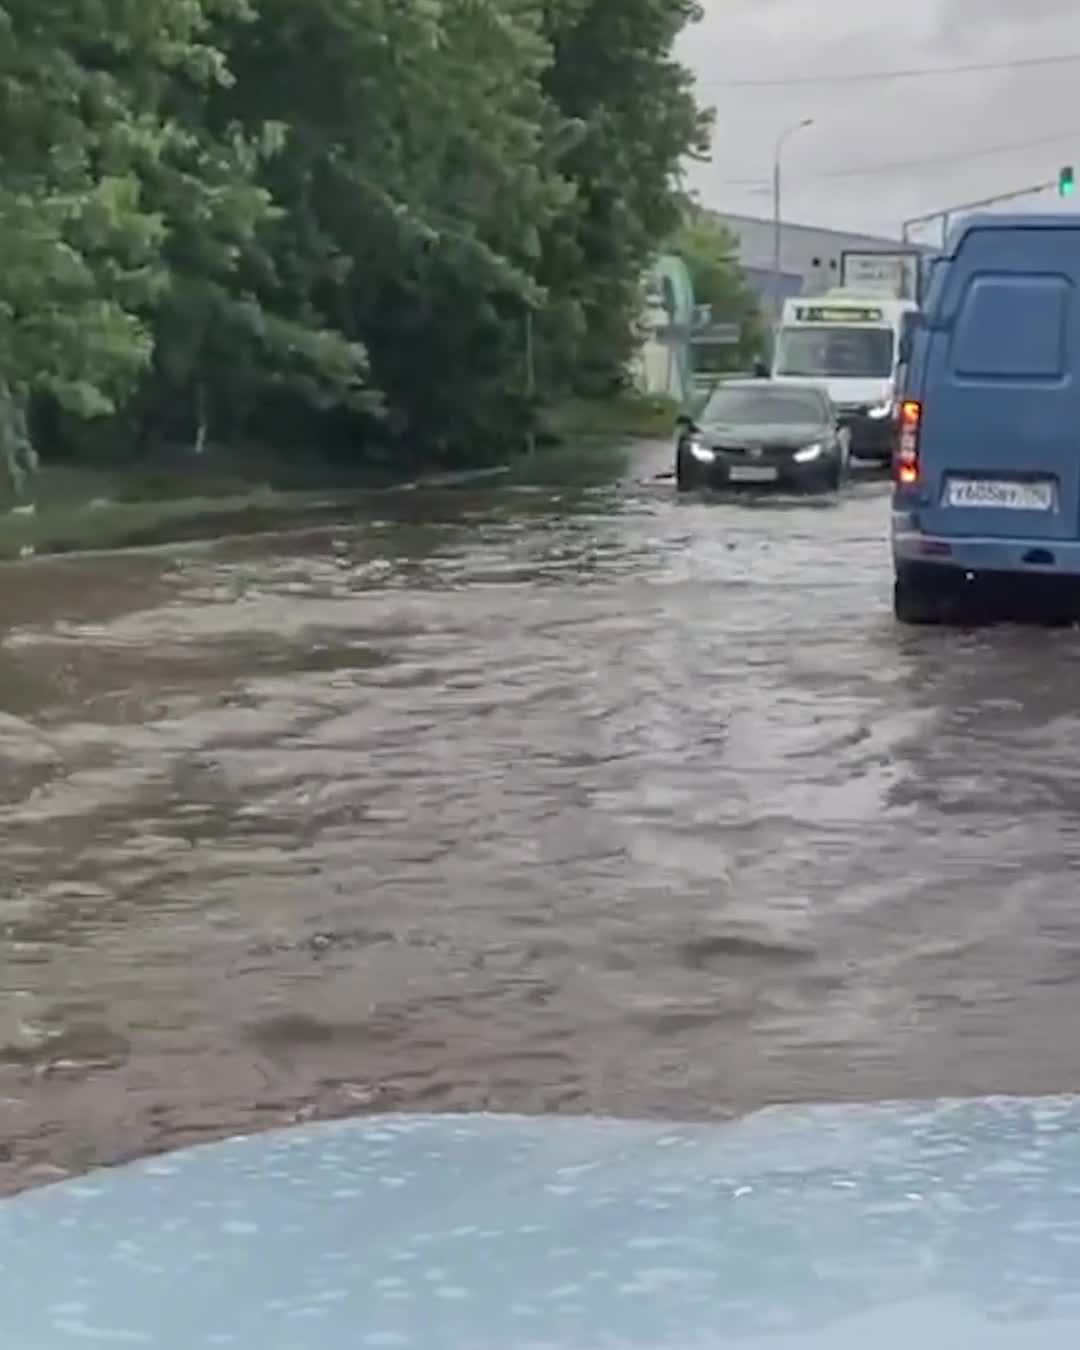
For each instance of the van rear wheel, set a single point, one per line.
(913, 604)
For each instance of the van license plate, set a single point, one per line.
(765, 473)
(1003, 495)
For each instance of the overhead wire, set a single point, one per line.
(908, 73)
(924, 161)
(881, 167)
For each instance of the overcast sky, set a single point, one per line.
(896, 129)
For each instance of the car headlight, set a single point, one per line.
(808, 452)
(700, 452)
(880, 411)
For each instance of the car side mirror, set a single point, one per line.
(908, 326)
(684, 422)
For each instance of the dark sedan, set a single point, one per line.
(752, 433)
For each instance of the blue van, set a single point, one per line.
(986, 465)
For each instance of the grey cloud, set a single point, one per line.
(925, 127)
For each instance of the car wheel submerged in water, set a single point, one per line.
(914, 603)
(926, 596)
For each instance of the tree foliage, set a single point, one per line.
(710, 252)
(333, 221)
(612, 68)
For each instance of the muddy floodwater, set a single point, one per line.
(562, 800)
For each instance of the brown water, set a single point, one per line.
(591, 801)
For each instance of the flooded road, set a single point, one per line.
(591, 800)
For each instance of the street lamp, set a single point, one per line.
(781, 141)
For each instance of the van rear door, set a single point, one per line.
(999, 441)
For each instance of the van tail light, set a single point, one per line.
(906, 453)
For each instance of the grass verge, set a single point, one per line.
(610, 421)
(175, 497)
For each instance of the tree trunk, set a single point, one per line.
(201, 429)
(18, 458)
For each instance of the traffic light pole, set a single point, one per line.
(946, 213)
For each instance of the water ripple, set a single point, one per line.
(583, 800)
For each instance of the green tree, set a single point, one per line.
(710, 252)
(451, 169)
(100, 183)
(76, 244)
(413, 195)
(612, 68)
(220, 215)
(227, 332)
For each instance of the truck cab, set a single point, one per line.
(849, 343)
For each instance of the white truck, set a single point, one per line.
(887, 272)
(848, 340)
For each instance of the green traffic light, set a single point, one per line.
(1066, 181)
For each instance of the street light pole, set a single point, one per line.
(781, 141)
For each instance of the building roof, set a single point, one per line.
(738, 218)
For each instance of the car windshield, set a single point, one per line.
(785, 406)
(854, 353)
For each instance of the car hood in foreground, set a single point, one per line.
(782, 435)
(951, 1226)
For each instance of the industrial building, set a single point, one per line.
(809, 256)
